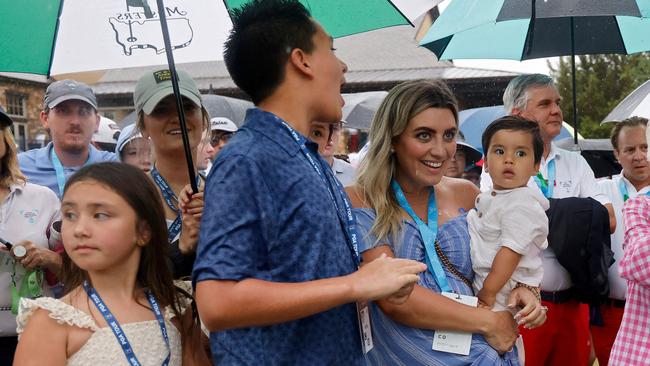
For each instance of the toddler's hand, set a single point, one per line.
(486, 298)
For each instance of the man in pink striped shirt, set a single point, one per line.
(632, 345)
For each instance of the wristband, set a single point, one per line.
(534, 290)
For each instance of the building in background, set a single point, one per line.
(22, 97)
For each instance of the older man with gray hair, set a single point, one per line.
(564, 339)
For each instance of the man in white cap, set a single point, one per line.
(221, 130)
(70, 115)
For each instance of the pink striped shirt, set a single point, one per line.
(632, 345)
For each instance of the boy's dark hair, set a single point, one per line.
(628, 122)
(263, 35)
(514, 123)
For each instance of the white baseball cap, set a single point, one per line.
(107, 132)
(222, 124)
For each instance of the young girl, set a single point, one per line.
(121, 305)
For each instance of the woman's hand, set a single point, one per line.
(532, 314)
(191, 205)
(502, 331)
(37, 257)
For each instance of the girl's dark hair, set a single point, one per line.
(142, 196)
(514, 123)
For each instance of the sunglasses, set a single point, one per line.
(218, 137)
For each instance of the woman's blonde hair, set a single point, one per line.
(377, 168)
(10, 173)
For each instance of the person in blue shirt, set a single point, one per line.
(277, 270)
(70, 115)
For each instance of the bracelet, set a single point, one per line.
(534, 290)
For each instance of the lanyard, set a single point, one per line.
(117, 329)
(171, 200)
(429, 233)
(60, 173)
(346, 218)
(623, 189)
(546, 185)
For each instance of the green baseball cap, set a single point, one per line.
(155, 86)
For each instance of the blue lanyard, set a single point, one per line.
(623, 189)
(58, 169)
(171, 200)
(117, 329)
(347, 219)
(546, 185)
(429, 233)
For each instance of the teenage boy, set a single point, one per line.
(277, 273)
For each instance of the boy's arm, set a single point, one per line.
(252, 302)
(503, 266)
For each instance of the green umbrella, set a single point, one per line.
(345, 17)
(527, 29)
(56, 37)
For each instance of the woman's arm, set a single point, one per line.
(429, 310)
(43, 342)
(191, 205)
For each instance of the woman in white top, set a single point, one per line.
(26, 213)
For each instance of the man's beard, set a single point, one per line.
(75, 148)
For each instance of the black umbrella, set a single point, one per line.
(528, 29)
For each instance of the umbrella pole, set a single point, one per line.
(573, 84)
(177, 94)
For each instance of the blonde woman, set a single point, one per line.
(155, 105)
(26, 213)
(406, 208)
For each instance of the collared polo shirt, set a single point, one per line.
(37, 165)
(268, 215)
(573, 178)
(610, 187)
(26, 214)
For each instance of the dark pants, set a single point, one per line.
(7, 350)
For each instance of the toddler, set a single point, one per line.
(508, 227)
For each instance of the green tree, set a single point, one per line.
(602, 81)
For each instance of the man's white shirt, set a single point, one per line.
(573, 178)
(610, 187)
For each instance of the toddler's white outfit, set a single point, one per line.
(514, 218)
